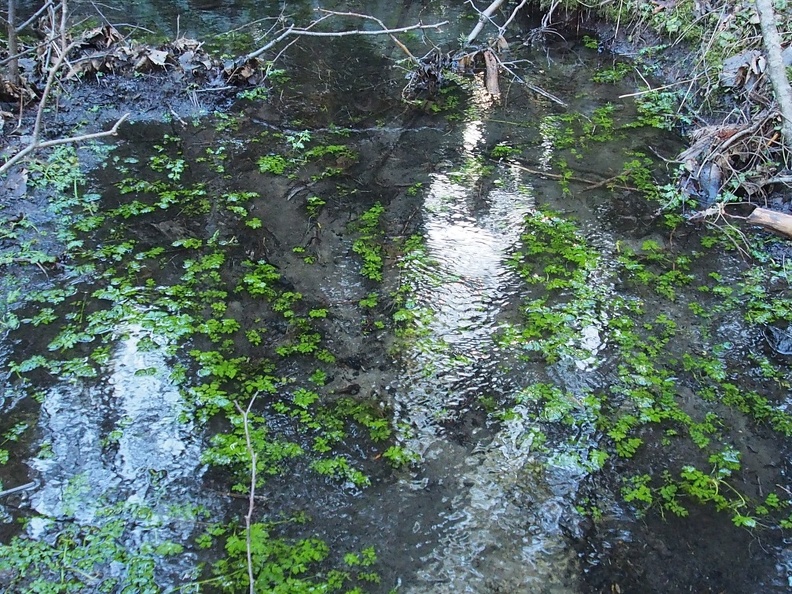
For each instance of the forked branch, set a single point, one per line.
(310, 32)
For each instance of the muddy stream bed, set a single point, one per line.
(498, 380)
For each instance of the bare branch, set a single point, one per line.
(30, 50)
(483, 18)
(35, 15)
(517, 9)
(381, 24)
(70, 140)
(347, 33)
(531, 86)
(36, 142)
(261, 50)
(252, 495)
(308, 32)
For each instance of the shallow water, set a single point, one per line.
(488, 507)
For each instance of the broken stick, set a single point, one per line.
(778, 222)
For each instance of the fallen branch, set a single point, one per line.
(591, 184)
(71, 139)
(778, 222)
(518, 8)
(20, 488)
(775, 66)
(530, 86)
(47, 5)
(36, 142)
(779, 179)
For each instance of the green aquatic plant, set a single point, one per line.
(659, 109)
(503, 151)
(103, 556)
(274, 164)
(189, 297)
(641, 404)
(369, 243)
(283, 566)
(611, 75)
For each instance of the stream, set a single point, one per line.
(362, 275)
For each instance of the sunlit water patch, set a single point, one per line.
(461, 288)
(502, 519)
(122, 445)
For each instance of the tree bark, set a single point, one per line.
(13, 47)
(491, 77)
(775, 67)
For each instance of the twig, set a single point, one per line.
(517, 9)
(750, 131)
(308, 32)
(20, 488)
(779, 179)
(264, 48)
(246, 25)
(36, 142)
(590, 183)
(650, 90)
(347, 33)
(719, 210)
(531, 86)
(71, 139)
(35, 15)
(18, 55)
(548, 18)
(252, 498)
(605, 182)
(379, 22)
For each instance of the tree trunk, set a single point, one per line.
(775, 66)
(13, 47)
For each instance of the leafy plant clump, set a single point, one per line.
(238, 332)
(639, 404)
(369, 243)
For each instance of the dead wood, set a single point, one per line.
(736, 155)
(777, 222)
(54, 71)
(491, 76)
(611, 182)
(13, 47)
(309, 31)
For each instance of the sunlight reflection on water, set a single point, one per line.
(122, 443)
